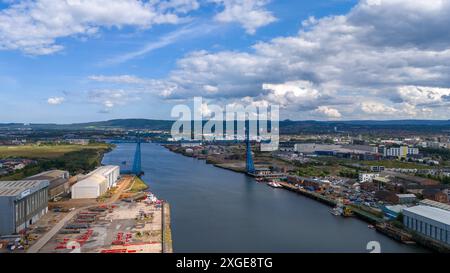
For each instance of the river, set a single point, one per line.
(216, 210)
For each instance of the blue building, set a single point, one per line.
(22, 203)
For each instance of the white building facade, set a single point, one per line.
(96, 183)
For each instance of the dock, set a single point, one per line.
(362, 214)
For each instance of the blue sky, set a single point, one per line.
(91, 60)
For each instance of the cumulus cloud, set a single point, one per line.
(251, 14)
(377, 108)
(383, 59)
(378, 53)
(110, 98)
(55, 100)
(33, 26)
(285, 94)
(328, 112)
(423, 95)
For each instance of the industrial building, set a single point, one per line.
(429, 221)
(59, 182)
(407, 198)
(361, 152)
(22, 203)
(96, 182)
(435, 204)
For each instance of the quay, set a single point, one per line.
(129, 221)
(360, 213)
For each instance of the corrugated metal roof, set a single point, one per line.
(432, 213)
(90, 180)
(55, 177)
(407, 195)
(48, 175)
(14, 188)
(104, 170)
(435, 204)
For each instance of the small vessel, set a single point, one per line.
(259, 180)
(371, 226)
(274, 185)
(337, 211)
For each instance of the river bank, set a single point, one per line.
(214, 210)
(365, 215)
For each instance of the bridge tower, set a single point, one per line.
(137, 163)
(250, 166)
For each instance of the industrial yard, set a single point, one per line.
(125, 219)
(122, 227)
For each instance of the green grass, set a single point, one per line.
(45, 151)
(74, 158)
(138, 185)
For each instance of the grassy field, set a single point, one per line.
(138, 185)
(74, 158)
(45, 151)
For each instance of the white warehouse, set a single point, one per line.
(96, 182)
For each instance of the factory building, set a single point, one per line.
(22, 203)
(96, 182)
(428, 221)
(59, 182)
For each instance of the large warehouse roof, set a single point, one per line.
(91, 180)
(48, 175)
(432, 213)
(104, 170)
(15, 188)
(428, 202)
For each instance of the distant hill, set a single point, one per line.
(287, 126)
(99, 125)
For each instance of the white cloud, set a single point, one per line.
(423, 95)
(55, 100)
(328, 112)
(182, 34)
(298, 92)
(110, 98)
(33, 26)
(210, 88)
(251, 14)
(377, 108)
(374, 54)
(383, 59)
(126, 79)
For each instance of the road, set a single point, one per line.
(44, 239)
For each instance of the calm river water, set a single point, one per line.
(216, 210)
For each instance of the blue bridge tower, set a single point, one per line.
(137, 163)
(250, 166)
